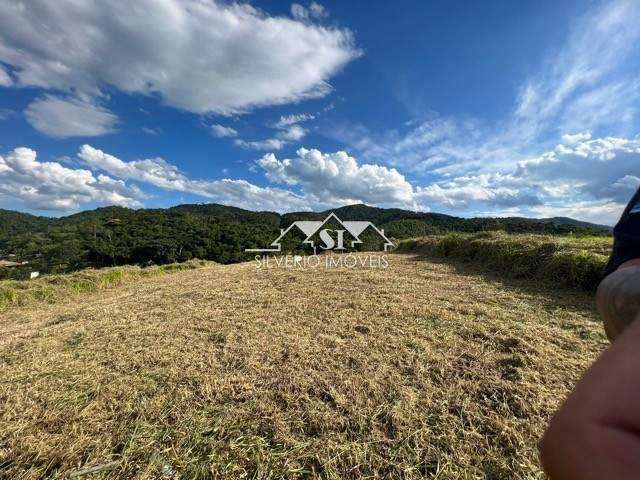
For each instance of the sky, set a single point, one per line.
(485, 108)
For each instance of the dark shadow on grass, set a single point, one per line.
(551, 295)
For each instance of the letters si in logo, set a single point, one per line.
(328, 240)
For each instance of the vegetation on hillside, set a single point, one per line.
(569, 261)
(420, 370)
(120, 236)
(54, 288)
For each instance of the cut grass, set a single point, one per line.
(422, 370)
(53, 288)
(569, 261)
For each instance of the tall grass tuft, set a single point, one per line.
(570, 261)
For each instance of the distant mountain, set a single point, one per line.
(117, 235)
(381, 216)
(566, 221)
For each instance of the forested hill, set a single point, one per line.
(116, 236)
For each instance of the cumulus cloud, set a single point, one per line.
(160, 173)
(70, 117)
(588, 179)
(337, 178)
(602, 168)
(499, 190)
(221, 131)
(583, 178)
(199, 56)
(52, 186)
(569, 139)
(155, 171)
(323, 180)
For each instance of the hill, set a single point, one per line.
(422, 369)
(117, 236)
(446, 223)
(570, 222)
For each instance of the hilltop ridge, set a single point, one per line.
(111, 236)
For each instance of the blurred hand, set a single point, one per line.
(618, 298)
(596, 432)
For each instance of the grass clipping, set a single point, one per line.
(421, 370)
(570, 261)
(54, 288)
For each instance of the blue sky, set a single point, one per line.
(468, 108)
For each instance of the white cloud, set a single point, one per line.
(323, 179)
(293, 133)
(221, 131)
(51, 186)
(200, 56)
(611, 108)
(5, 78)
(497, 190)
(315, 11)
(337, 178)
(243, 194)
(287, 120)
(152, 131)
(289, 132)
(601, 169)
(63, 118)
(589, 85)
(575, 83)
(569, 139)
(580, 174)
(158, 172)
(268, 144)
(566, 182)
(155, 171)
(628, 182)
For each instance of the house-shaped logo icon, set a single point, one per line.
(310, 228)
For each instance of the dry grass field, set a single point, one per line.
(423, 370)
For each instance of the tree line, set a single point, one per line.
(118, 236)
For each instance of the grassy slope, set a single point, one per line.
(423, 369)
(55, 288)
(570, 261)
